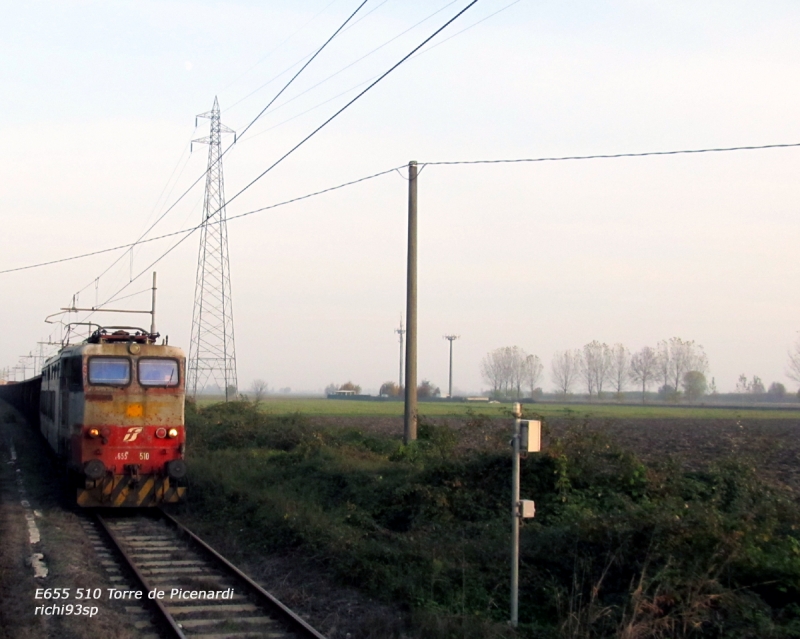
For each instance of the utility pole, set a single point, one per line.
(527, 439)
(400, 331)
(212, 352)
(451, 339)
(410, 413)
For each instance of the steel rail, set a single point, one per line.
(293, 621)
(166, 617)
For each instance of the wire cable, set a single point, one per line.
(194, 228)
(267, 55)
(294, 64)
(294, 77)
(366, 55)
(360, 84)
(164, 214)
(397, 168)
(346, 106)
(607, 156)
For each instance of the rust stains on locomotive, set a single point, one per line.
(113, 409)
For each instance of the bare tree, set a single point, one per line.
(595, 366)
(504, 369)
(742, 385)
(794, 362)
(533, 371)
(259, 389)
(644, 367)
(663, 363)
(565, 369)
(620, 367)
(686, 356)
(493, 370)
(677, 357)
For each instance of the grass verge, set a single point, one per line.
(619, 548)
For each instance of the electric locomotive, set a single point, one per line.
(112, 408)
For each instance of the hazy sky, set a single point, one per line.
(98, 110)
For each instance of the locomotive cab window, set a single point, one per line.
(158, 372)
(73, 372)
(112, 371)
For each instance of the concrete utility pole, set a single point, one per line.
(451, 339)
(400, 331)
(410, 415)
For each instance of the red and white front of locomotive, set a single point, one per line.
(133, 411)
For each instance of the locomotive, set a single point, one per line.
(112, 410)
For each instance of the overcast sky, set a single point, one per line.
(98, 111)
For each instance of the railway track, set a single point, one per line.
(202, 595)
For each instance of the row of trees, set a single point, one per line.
(509, 369)
(389, 389)
(673, 364)
(425, 389)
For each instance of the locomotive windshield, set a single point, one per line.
(115, 371)
(158, 372)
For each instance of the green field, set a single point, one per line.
(354, 408)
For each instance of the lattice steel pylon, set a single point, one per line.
(212, 351)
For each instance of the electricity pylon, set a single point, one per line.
(212, 351)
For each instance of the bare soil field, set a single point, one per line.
(772, 443)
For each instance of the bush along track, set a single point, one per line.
(617, 549)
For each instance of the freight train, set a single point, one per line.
(112, 411)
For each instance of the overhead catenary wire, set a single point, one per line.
(164, 190)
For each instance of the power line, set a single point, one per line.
(380, 173)
(351, 102)
(294, 77)
(194, 228)
(360, 84)
(366, 55)
(234, 81)
(294, 64)
(303, 141)
(617, 155)
(164, 214)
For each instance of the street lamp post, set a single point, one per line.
(451, 339)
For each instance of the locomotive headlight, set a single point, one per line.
(161, 433)
(94, 432)
(173, 432)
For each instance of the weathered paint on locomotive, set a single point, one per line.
(131, 423)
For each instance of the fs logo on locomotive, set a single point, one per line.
(132, 434)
